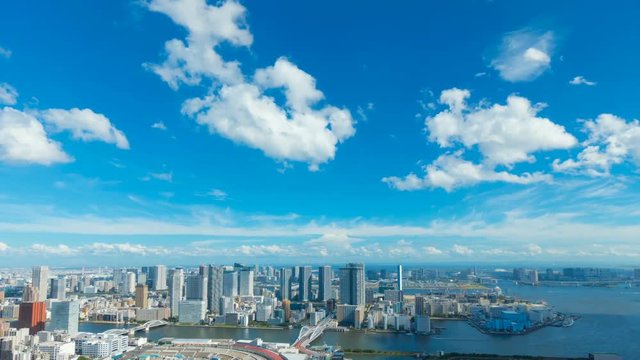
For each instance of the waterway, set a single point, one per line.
(610, 322)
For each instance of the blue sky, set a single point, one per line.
(182, 132)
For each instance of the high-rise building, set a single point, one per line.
(58, 288)
(352, 284)
(325, 275)
(158, 277)
(195, 287)
(192, 311)
(130, 282)
(399, 285)
(142, 296)
(245, 282)
(304, 284)
(214, 287)
(33, 316)
(29, 294)
(285, 284)
(230, 284)
(40, 281)
(64, 316)
(176, 283)
(286, 306)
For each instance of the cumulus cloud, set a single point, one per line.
(611, 141)
(581, 80)
(23, 140)
(503, 134)
(461, 250)
(85, 125)
(8, 94)
(432, 250)
(99, 248)
(239, 109)
(3, 247)
(61, 249)
(159, 125)
(190, 61)
(524, 55)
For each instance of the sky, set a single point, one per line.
(421, 132)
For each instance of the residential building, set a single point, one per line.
(325, 275)
(352, 284)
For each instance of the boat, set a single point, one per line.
(567, 322)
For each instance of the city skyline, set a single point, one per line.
(145, 132)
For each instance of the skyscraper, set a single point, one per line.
(230, 284)
(304, 284)
(158, 277)
(400, 277)
(142, 296)
(130, 282)
(245, 282)
(40, 281)
(32, 315)
(29, 294)
(285, 284)
(195, 287)
(58, 288)
(214, 288)
(176, 281)
(352, 284)
(324, 283)
(64, 316)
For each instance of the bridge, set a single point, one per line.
(130, 331)
(310, 333)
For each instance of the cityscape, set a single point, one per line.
(44, 313)
(319, 180)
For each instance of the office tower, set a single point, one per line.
(399, 285)
(130, 282)
(176, 283)
(245, 282)
(285, 284)
(29, 294)
(195, 287)
(230, 284)
(325, 274)
(192, 311)
(142, 296)
(142, 278)
(352, 284)
(295, 272)
(32, 315)
(40, 281)
(64, 316)
(118, 280)
(158, 277)
(58, 288)
(304, 283)
(214, 288)
(383, 274)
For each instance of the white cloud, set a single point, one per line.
(245, 115)
(159, 125)
(611, 141)
(60, 250)
(24, 140)
(241, 110)
(208, 26)
(99, 248)
(450, 172)
(85, 125)
(524, 55)
(503, 134)
(5, 53)
(432, 250)
(3, 247)
(461, 250)
(218, 194)
(8, 94)
(581, 80)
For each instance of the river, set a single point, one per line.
(610, 322)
